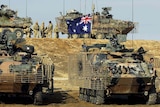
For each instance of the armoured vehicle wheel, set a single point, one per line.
(99, 36)
(75, 36)
(152, 97)
(5, 31)
(38, 98)
(86, 36)
(19, 33)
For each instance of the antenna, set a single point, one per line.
(63, 7)
(97, 5)
(9, 4)
(26, 8)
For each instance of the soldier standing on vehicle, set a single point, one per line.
(49, 30)
(56, 33)
(151, 65)
(36, 30)
(42, 30)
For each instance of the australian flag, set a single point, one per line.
(80, 25)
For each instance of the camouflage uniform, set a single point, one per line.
(151, 65)
(42, 30)
(56, 33)
(28, 32)
(49, 30)
(36, 30)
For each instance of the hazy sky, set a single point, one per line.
(145, 12)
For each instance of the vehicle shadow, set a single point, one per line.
(59, 96)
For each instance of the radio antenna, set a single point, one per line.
(9, 4)
(26, 8)
(63, 7)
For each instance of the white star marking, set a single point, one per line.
(74, 30)
(85, 28)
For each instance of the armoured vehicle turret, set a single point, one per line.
(103, 25)
(22, 71)
(11, 22)
(105, 70)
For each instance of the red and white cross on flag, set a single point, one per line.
(86, 19)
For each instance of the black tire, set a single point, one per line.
(152, 97)
(75, 36)
(19, 32)
(100, 36)
(4, 32)
(38, 98)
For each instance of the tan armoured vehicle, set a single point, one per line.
(10, 22)
(105, 70)
(22, 72)
(103, 25)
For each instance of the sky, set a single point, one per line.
(144, 12)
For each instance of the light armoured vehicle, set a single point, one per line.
(105, 70)
(103, 25)
(22, 71)
(10, 22)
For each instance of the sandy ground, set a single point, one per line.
(67, 96)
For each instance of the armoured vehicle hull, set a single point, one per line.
(106, 76)
(10, 22)
(103, 25)
(22, 71)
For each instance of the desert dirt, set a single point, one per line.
(66, 95)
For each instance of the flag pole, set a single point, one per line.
(85, 6)
(80, 5)
(132, 19)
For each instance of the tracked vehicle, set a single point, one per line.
(102, 25)
(22, 72)
(104, 70)
(10, 22)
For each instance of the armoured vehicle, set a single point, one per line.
(103, 25)
(10, 22)
(105, 70)
(22, 71)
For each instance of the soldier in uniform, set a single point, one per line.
(151, 66)
(28, 32)
(42, 30)
(56, 33)
(49, 30)
(36, 30)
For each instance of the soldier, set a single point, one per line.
(84, 47)
(36, 30)
(49, 30)
(42, 30)
(56, 33)
(28, 32)
(151, 65)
